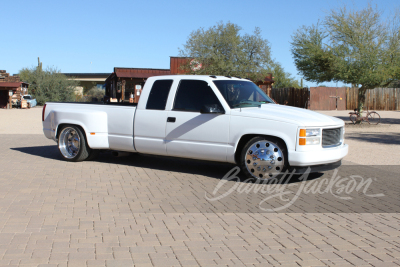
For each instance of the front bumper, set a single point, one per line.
(315, 168)
(319, 157)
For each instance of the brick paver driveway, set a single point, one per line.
(147, 210)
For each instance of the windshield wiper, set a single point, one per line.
(246, 103)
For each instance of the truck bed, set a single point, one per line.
(98, 103)
(107, 126)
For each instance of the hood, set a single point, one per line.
(288, 114)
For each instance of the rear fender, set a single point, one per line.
(93, 123)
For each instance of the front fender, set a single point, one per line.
(241, 126)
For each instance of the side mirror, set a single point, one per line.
(212, 109)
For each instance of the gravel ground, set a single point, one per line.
(21, 121)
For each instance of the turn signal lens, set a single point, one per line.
(303, 132)
(302, 141)
(92, 133)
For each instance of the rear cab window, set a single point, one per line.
(159, 94)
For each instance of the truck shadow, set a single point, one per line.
(215, 170)
(389, 138)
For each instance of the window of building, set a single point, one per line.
(159, 95)
(101, 86)
(193, 95)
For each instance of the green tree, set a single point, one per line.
(282, 78)
(48, 85)
(93, 92)
(222, 50)
(353, 47)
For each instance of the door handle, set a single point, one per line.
(171, 119)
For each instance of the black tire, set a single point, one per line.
(261, 170)
(72, 144)
(353, 118)
(374, 118)
(94, 153)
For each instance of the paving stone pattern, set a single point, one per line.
(152, 211)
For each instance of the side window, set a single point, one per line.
(193, 95)
(159, 94)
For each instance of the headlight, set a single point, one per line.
(310, 136)
(310, 132)
(313, 141)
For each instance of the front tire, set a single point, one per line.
(263, 158)
(72, 144)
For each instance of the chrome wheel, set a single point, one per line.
(264, 159)
(69, 142)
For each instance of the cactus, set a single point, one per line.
(39, 64)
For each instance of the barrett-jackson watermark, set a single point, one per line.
(337, 186)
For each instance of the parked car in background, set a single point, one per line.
(31, 101)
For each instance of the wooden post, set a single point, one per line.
(123, 90)
(9, 99)
(138, 91)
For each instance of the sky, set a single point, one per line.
(96, 36)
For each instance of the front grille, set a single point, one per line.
(331, 137)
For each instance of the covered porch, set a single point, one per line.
(126, 82)
(16, 88)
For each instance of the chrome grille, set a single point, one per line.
(331, 137)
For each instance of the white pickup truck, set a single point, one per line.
(212, 118)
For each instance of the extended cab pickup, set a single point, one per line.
(212, 118)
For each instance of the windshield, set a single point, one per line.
(240, 94)
(27, 97)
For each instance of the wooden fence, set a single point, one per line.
(375, 99)
(327, 98)
(290, 96)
